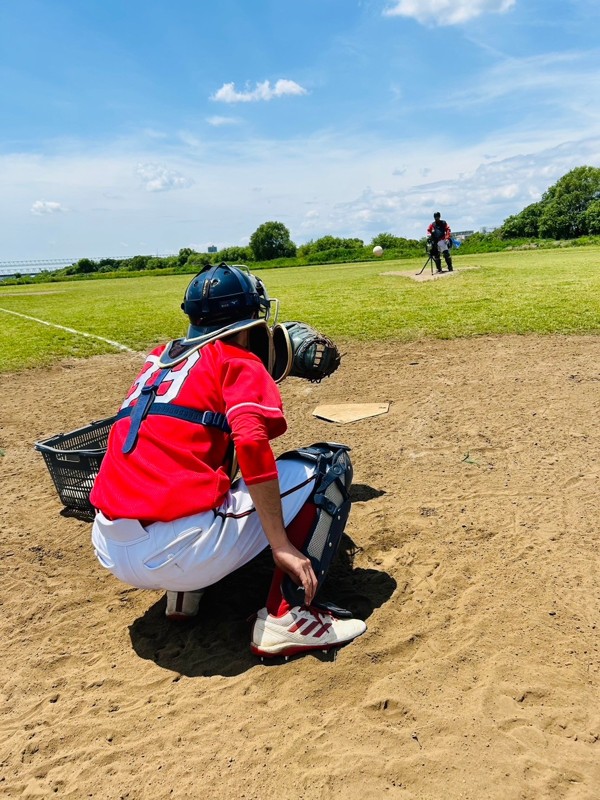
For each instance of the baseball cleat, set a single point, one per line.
(301, 629)
(183, 605)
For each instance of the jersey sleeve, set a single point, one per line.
(254, 412)
(255, 456)
(249, 389)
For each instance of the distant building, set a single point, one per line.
(212, 248)
(462, 235)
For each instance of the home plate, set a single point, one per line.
(350, 412)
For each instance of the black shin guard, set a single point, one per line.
(331, 498)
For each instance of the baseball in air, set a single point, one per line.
(378, 250)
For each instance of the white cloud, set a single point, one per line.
(263, 91)
(312, 221)
(160, 179)
(446, 12)
(563, 79)
(218, 122)
(484, 194)
(47, 207)
(190, 140)
(472, 190)
(152, 133)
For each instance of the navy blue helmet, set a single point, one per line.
(221, 295)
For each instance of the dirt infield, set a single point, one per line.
(472, 552)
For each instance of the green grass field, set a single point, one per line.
(519, 292)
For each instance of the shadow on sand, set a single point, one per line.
(217, 641)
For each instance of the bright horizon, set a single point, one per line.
(147, 127)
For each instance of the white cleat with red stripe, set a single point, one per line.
(303, 628)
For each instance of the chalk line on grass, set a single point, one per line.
(70, 330)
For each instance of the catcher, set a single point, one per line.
(168, 514)
(439, 236)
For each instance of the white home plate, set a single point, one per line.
(350, 412)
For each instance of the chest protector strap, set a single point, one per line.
(144, 407)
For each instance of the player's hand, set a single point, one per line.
(298, 567)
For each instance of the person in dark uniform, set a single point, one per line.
(440, 237)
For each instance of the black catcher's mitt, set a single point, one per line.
(314, 356)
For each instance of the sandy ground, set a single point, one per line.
(427, 272)
(472, 552)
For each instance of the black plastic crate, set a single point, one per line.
(73, 460)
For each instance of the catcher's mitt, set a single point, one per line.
(303, 352)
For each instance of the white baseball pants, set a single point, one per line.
(197, 551)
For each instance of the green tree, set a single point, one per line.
(331, 245)
(272, 240)
(562, 211)
(386, 240)
(566, 203)
(111, 263)
(235, 255)
(136, 263)
(156, 263)
(397, 243)
(84, 266)
(196, 260)
(335, 243)
(592, 218)
(523, 225)
(184, 255)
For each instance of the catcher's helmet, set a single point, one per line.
(222, 294)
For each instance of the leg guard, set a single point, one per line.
(331, 497)
(448, 260)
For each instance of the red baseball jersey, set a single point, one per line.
(177, 467)
(439, 230)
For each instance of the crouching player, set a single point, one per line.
(168, 515)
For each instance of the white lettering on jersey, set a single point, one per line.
(143, 378)
(173, 380)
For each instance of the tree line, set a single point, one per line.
(270, 244)
(568, 210)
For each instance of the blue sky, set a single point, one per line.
(143, 127)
